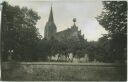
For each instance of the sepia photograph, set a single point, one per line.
(63, 40)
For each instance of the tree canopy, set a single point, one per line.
(114, 19)
(19, 32)
(22, 42)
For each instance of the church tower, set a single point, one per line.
(50, 27)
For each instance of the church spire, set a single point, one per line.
(50, 28)
(51, 19)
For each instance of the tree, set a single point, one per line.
(103, 45)
(114, 19)
(53, 47)
(19, 32)
(42, 50)
(91, 50)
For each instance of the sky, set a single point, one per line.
(64, 11)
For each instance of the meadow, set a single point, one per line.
(42, 71)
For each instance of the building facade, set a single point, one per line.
(51, 31)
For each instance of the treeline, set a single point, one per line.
(21, 40)
(114, 19)
(19, 33)
(53, 47)
(112, 47)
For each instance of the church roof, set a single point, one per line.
(51, 16)
(67, 34)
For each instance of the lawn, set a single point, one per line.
(62, 72)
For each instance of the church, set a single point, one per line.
(69, 35)
(50, 31)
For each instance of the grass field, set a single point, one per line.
(62, 72)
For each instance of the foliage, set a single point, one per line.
(114, 19)
(22, 42)
(42, 50)
(19, 32)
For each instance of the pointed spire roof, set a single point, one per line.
(51, 19)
